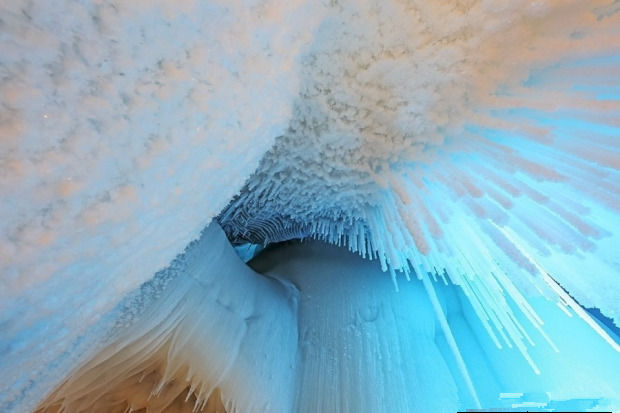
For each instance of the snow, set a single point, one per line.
(125, 127)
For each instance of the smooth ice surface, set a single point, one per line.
(365, 347)
(215, 324)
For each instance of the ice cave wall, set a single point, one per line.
(313, 327)
(125, 127)
(208, 333)
(476, 136)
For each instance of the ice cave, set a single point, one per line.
(309, 206)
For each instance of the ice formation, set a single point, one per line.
(153, 363)
(323, 331)
(125, 127)
(473, 144)
(475, 157)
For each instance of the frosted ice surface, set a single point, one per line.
(466, 141)
(124, 128)
(476, 138)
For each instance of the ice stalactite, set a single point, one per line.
(467, 146)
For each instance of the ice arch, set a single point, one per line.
(475, 137)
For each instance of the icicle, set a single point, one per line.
(450, 339)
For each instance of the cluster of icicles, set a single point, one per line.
(510, 182)
(498, 211)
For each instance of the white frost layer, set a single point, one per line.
(474, 137)
(125, 126)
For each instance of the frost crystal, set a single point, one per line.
(470, 143)
(443, 147)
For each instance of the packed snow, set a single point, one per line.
(125, 127)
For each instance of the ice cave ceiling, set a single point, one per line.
(465, 153)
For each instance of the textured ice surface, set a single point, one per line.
(477, 137)
(124, 128)
(451, 136)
